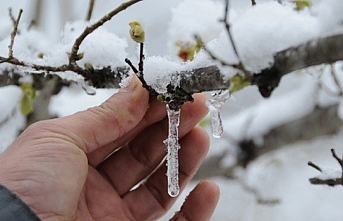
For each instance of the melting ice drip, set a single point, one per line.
(88, 89)
(214, 105)
(173, 147)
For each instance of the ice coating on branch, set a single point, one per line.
(173, 147)
(87, 88)
(214, 105)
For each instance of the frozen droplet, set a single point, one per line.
(214, 105)
(216, 121)
(173, 146)
(87, 88)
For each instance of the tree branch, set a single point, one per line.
(325, 50)
(320, 122)
(320, 51)
(90, 10)
(89, 29)
(329, 181)
(14, 33)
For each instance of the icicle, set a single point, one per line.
(88, 89)
(173, 147)
(214, 105)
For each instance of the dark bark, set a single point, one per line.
(326, 50)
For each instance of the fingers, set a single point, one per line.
(151, 200)
(200, 204)
(146, 151)
(155, 113)
(100, 125)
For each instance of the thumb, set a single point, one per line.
(103, 124)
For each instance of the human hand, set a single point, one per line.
(62, 170)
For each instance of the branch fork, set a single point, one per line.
(328, 182)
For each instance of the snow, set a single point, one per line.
(74, 99)
(157, 71)
(282, 107)
(280, 175)
(330, 173)
(11, 121)
(330, 16)
(102, 48)
(258, 33)
(185, 23)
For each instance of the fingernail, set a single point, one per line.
(128, 84)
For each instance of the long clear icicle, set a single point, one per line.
(214, 105)
(173, 147)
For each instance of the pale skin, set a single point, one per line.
(60, 168)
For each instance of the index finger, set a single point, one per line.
(103, 124)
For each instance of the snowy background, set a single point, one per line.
(259, 32)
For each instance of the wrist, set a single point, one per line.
(13, 208)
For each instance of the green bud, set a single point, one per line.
(89, 67)
(40, 55)
(238, 82)
(161, 98)
(301, 5)
(27, 99)
(79, 56)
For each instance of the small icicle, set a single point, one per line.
(88, 89)
(173, 147)
(214, 105)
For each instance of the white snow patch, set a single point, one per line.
(257, 120)
(194, 17)
(329, 173)
(266, 28)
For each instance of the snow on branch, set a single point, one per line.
(73, 57)
(328, 176)
(325, 50)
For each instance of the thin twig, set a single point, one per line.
(13, 34)
(141, 58)
(329, 182)
(214, 57)
(134, 69)
(90, 10)
(310, 163)
(240, 65)
(336, 157)
(62, 68)
(11, 16)
(339, 160)
(139, 73)
(89, 29)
